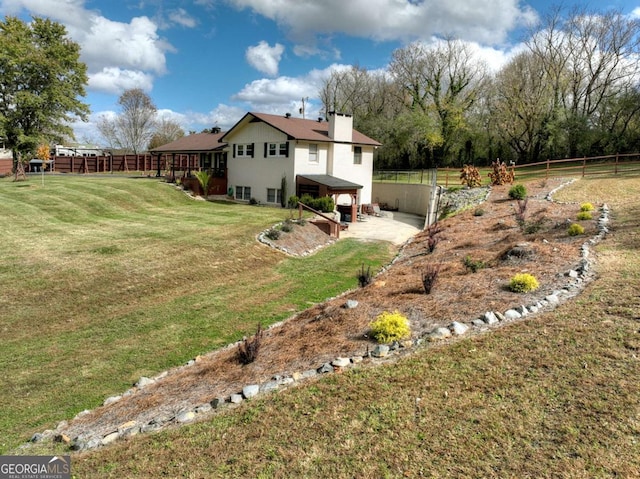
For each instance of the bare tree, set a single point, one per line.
(522, 106)
(166, 131)
(589, 59)
(443, 80)
(132, 129)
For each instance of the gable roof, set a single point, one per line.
(193, 143)
(299, 129)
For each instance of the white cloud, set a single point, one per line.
(265, 58)
(277, 90)
(115, 80)
(182, 17)
(487, 22)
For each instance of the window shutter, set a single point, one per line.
(234, 150)
(266, 147)
(287, 149)
(253, 149)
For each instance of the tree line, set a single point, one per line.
(572, 91)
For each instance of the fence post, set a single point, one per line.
(584, 166)
(548, 166)
(616, 167)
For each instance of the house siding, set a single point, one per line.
(260, 172)
(342, 166)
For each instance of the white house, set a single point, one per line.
(316, 157)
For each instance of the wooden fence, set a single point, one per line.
(610, 165)
(147, 164)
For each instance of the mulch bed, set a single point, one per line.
(329, 330)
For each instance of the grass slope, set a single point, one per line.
(104, 280)
(554, 396)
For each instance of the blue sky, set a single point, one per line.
(207, 62)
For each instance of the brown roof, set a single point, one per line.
(300, 129)
(193, 143)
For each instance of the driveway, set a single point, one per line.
(394, 227)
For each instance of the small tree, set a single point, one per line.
(203, 178)
(42, 153)
(42, 80)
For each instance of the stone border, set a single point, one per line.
(581, 275)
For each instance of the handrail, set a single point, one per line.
(335, 225)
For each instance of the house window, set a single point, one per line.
(357, 155)
(274, 195)
(277, 149)
(243, 193)
(244, 150)
(313, 153)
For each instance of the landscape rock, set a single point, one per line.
(217, 402)
(203, 408)
(325, 368)
(269, 386)
(236, 398)
(351, 304)
(250, 391)
(512, 314)
(552, 299)
(109, 438)
(380, 351)
(490, 317)
(185, 416)
(440, 333)
(341, 362)
(111, 400)
(144, 381)
(458, 328)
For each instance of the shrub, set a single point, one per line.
(248, 348)
(324, 204)
(521, 212)
(287, 226)
(470, 176)
(429, 277)
(586, 207)
(432, 242)
(575, 229)
(473, 265)
(292, 203)
(523, 283)
(478, 212)
(204, 178)
(518, 192)
(500, 174)
(253, 201)
(531, 227)
(364, 276)
(390, 327)
(272, 234)
(432, 239)
(584, 216)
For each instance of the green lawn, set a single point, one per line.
(104, 280)
(555, 396)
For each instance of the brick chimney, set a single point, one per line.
(340, 127)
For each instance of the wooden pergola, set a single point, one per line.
(327, 185)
